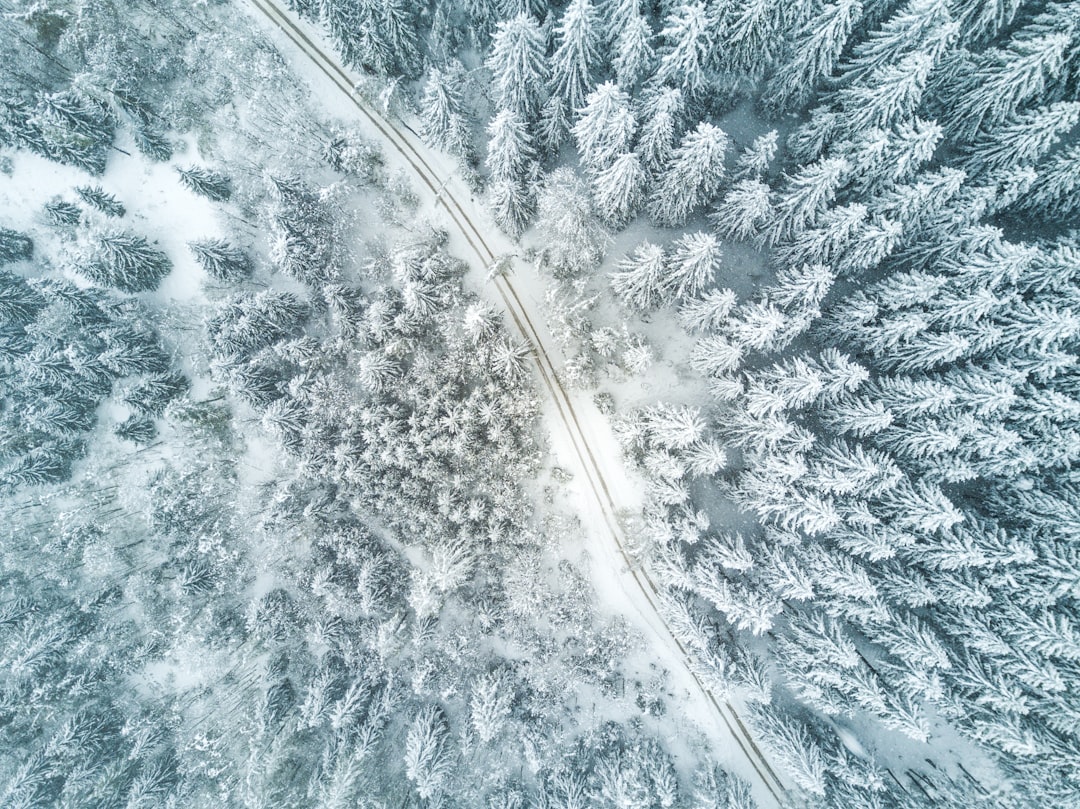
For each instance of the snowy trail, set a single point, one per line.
(581, 438)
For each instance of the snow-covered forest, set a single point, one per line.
(500, 404)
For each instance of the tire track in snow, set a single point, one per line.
(519, 313)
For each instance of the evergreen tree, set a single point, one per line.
(554, 125)
(574, 62)
(889, 95)
(518, 66)
(684, 56)
(61, 212)
(427, 752)
(693, 176)
(619, 189)
(757, 157)
(989, 89)
(813, 55)
(14, 246)
(566, 222)
(918, 27)
(208, 183)
(661, 120)
(605, 127)
(1024, 140)
(805, 196)
(634, 58)
(692, 265)
(1058, 189)
(510, 152)
(639, 279)
(124, 261)
(100, 199)
(707, 313)
(442, 109)
(745, 209)
(753, 34)
(512, 204)
(221, 260)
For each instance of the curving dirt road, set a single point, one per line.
(597, 465)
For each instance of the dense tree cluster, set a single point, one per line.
(901, 400)
(64, 350)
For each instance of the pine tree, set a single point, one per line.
(576, 56)
(62, 212)
(745, 209)
(1023, 140)
(752, 34)
(567, 224)
(889, 95)
(756, 158)
(492, 699)
(919, 26)
(208, 183)
(805, 196)
(639, 277)
(221, 260)
(15, 246)
(684, 58)
(707, 313)
(693, 176)
(352, 25)
(102, 200)
(661, 120)
(512, 204)
(398, 29)
(619, 189)
(510, 152)
(633, 58)
(994, 86)
(894, 157)
(442, 111)
(692, 265)
(19, 302)
(126, 262)
(518, 66)
(814, 53)
(605, 127)
(427, 753)
(1058, 189)
(983, 19)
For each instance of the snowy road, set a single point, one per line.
(581, 438)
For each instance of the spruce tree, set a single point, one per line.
(661, 122)
(634, 58)
(692, 264)
(605, 127)
(14, 246)
(510, 152)
(124, 261)
(206, 182)
(639, 279)
(813, 55)
(693, 176)
(619, 189)
(518, 66)
(221, 260)
(684, 56)
(100, 199)
(442, 110)
(576, 57)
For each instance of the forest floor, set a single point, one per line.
(582, 443)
